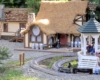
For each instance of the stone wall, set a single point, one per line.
(31, 18)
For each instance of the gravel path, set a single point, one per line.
(13, 45)
(35, 73)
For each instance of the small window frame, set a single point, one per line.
(5, 27)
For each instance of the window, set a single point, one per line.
(36, 35)
(39, 39)
(5, 27)
(22, 26)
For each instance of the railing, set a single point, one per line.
(86, 61)
(8, 33)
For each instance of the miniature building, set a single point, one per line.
(15, 20)
(90, 34)
(57, 22)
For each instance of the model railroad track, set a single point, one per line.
(35, 64)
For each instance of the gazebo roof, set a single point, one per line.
(92, 26)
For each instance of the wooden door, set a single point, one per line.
(63, 40)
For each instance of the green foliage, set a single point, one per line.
(97, 12)
(15, 75)
(4, 53)
(13, 3)
(34, 5)
(96, 1)
(55, 0)
(11, 71)
(3, 69)
(73, 63)
(54, 60)
(49, 62)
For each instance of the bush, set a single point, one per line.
(4, 53)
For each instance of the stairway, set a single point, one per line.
(17, 39)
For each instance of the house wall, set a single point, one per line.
(69, 38)
(12, 28)
(44, 39)
(26, 41)
(79, 21)
(30, 44)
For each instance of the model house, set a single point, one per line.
(56, 21)
(15, 20)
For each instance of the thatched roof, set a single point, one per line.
(16, 14)
(58, 17)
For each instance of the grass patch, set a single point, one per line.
(16, 64)
(47, 63)
(11, 71)
(15, 75)
(73, 63)
(3, 69)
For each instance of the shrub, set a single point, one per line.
(4, 53)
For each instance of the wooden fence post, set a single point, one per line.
(21, 58)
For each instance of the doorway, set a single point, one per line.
(63, 39)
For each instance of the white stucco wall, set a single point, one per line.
(7, 34)
(44, 39)
(68, 38)
(30, 44)
(26, 40)
(12, 28)
(77, 22)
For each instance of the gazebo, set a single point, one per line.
(90, 31)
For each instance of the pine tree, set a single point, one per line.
(4, 53)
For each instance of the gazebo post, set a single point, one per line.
(84, 50)
(82, 45)
(96, 42)
(89, 39)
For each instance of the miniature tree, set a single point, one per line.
(4, 53)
